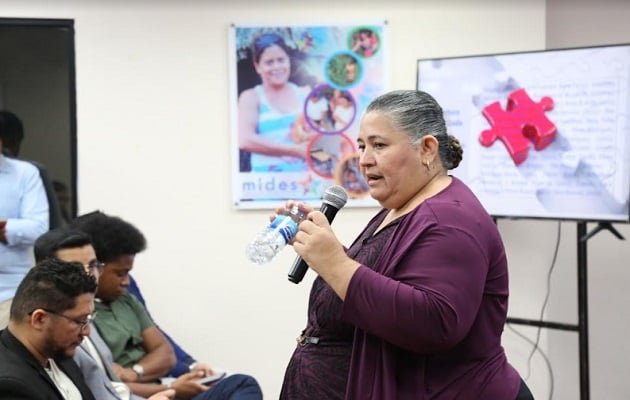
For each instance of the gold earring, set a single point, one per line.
(427, 163)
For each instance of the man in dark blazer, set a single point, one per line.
(50, 315)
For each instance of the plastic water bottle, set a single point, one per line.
(269, 242)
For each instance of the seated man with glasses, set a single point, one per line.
(49, 317)
(93, 356)
(140, 349)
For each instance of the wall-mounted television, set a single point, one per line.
(546, 134)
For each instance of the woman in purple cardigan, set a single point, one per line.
(415, 308)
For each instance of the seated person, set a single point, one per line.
(141, 352)
(92, 356)
(185, 362)
(50, 314)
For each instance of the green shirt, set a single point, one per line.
(121, 325)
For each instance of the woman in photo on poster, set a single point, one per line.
(269, 112)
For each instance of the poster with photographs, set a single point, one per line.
(297, 94)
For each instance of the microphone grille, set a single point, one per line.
(335, 196)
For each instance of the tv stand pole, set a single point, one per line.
(582, 327)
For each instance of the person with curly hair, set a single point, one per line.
(142, 352)
(92, 356)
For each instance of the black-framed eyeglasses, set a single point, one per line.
(82, 323)
(95, 264)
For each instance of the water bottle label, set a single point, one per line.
(286, 226)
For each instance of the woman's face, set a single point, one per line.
(365, 39)
(391, 165)
(274, 66)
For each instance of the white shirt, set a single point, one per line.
(24, 205)
(65, 385)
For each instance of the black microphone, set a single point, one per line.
(334, 198)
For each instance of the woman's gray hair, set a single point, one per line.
(418, 114)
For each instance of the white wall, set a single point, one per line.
(154, 140)
(571, 24)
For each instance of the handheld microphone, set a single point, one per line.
(334, 198)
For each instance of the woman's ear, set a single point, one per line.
(429, 147)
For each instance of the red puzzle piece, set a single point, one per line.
(522, 122)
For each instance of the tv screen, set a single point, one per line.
(546, 134)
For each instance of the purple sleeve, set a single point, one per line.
(432, 298)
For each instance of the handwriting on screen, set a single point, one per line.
(580, 170)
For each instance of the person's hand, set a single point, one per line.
(305, 209)
(186, 385)
(317, 244)
(168, 394)
(204, 368)
(282, 210)
(301, 131)
(125, 374)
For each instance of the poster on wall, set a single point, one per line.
(297, 94)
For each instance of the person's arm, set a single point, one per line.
(168, 394)
(184, 360)
(159, 357)
(317, 244)
(431, 302)
(250, 141)
(301, 130)
(444, 294)
(33, 220)
(185, 387)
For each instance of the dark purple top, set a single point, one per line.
(428, 309)
(320, 371)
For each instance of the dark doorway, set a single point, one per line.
(37, 83)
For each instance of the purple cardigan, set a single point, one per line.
(430, 312)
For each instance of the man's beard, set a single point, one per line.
(54, 351)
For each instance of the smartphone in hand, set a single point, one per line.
(211, 379)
